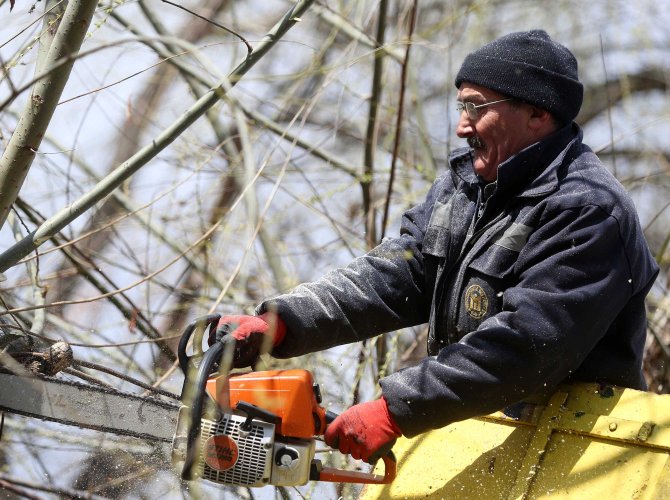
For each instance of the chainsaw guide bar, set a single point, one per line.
(92, 407)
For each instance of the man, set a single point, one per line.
(526, 260)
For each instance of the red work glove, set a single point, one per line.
(364, 431)
(249, 334)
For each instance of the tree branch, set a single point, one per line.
(597, 98)
(27, 137)
(124, 171)
(399, 117)
(372, 130)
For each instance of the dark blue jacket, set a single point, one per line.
(537, 279)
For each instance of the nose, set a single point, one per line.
(464, 127)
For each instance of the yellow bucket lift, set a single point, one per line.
(587, 442)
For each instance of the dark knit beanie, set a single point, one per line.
(530, 67)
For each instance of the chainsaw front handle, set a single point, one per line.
(332, 475)
(198, 325)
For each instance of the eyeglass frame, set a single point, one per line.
(471, 108)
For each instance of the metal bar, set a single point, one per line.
(87, 406)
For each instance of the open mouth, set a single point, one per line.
(475, 142)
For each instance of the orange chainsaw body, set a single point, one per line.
(265, 429)
(292, 397)
(289, 394)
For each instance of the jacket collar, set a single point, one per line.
(460, 162)
(531, 172)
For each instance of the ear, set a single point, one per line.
(540, 120)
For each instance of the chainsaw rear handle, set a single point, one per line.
(333, 475)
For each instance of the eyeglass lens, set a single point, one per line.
(468, 107)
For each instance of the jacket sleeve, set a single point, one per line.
(572, 279)
(381, 291)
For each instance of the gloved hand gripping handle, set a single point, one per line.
(333, 475)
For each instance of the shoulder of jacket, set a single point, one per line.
(589, 182)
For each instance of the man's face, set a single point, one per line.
(498, 132)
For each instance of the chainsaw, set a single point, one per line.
(249, 429)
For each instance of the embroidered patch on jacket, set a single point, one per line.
(476, 301)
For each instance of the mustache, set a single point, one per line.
(475, 142)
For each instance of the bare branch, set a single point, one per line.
(232, 32)
(111, 293)
(27, 137)
(124, 171)
(598, 97)
(399, 117)
(372, 131)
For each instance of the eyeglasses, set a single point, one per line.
(471, 108)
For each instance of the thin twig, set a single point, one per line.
(26, 331)
(117, 82)
(124, 344)
(85, 376)
(249, 48)
(10, 486)
(341, 23)
(656, 216)
(29, 25)
(122, 376)
(609, 106)
(119, 290)
(7, 76)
